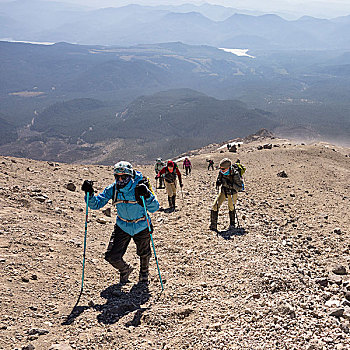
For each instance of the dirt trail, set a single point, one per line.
(270, 288)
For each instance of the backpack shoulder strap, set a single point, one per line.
(114, 194)
(233, 169)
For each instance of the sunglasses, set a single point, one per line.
(122, 176)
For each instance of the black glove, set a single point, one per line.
(218, 183)
(156, 177)
(87, 187)
(141, 191)
(181, 185)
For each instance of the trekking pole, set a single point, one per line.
(234, 207)
(154, 249)
(156, 183)
(86, 221)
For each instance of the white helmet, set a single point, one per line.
(123, 167)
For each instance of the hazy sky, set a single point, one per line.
(325, 8)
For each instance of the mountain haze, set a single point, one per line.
(137, 24)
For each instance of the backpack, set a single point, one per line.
(240, 167)
(146, 181)
(241, 170)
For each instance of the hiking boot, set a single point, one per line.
(170, 201)
(124, 276)
(213, 220)
(232, 215)
(144, 266)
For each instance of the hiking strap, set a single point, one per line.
(124, 201)
(133, 221)
(115, 194)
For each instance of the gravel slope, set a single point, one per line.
(276, 286)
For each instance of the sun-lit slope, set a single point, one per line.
(260, 290)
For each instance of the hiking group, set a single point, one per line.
(133, 196)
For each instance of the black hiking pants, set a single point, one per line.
(188, 170)
(211, 166)
(119, 242)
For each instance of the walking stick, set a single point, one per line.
(154, 249)
(234, 207)
(82, 275)
(156, 183)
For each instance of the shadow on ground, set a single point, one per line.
(118, 304)
(228, 234)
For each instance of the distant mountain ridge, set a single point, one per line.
(136, 24)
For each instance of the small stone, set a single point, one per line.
(282, 174)
(333, 303)
(216, 326)
(34, 277)
(337, 230)
(40, 199)
(107, 212)
(346, 313)
(287, 309)
(28, 347)
(71, 187)
(322, 281)
(38, 331)
(102, 221)
(25, 279)
(339, 270)
(91, 303)
(183, 312)
(335, 279)
(328, 340)
(338, 312)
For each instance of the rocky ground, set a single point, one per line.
(282, 283)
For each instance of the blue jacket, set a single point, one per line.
(131, 216)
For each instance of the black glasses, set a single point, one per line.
(121, 176)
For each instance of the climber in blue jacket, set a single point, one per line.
(126, 192)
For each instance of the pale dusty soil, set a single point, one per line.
(258, 290)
